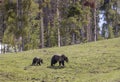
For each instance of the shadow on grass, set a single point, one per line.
(29, 66)
(56, 67)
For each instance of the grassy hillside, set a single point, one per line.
(90, 62)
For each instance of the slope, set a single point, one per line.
(90, 62)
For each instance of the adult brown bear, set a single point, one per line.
(37, 61)
(58, 58)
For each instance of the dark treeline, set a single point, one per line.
(34, 24)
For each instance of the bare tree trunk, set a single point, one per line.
(4, 49)
(41, 24)
(59, 37)
(1, 22)
(19, 13)
(1, 25)
(73, 38)
(19, 21)
(41, 30)
(88, 29)
(88, 33)
(95, 27)
(58, 14)
(0, 47)
(117, 19)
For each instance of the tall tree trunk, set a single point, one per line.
(58, 25)
(88, 29)
(20, 23)
(41, 30)
(117, 19)
(0, 47)
(59, 37)
(19, 14)
(1, 22)
(95, 27)
(73, 38)
(1, 25)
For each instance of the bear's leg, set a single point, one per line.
(62, 63)
(38, 63)
(34, 62)
(53, 62)
(59, 63)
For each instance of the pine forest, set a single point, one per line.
(36, 24)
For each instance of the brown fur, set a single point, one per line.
(60, 59)
(37, 61)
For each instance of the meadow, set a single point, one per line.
(89, 62)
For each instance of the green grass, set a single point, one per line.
(90, 62)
